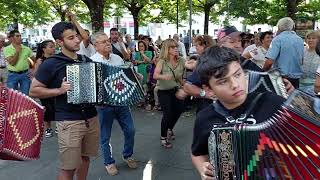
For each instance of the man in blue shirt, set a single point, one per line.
(286, 52)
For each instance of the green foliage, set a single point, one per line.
(27, 12)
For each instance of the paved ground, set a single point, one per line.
(155, 162)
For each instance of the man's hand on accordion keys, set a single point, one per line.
(208, 171)
(289, 86)
(65, 86)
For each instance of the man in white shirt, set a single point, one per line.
(107, 113)
(181, 48)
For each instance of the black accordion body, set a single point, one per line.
(98, 83)
(286, 146)
(266, 81)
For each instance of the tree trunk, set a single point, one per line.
(206, 18)
(292, 8)
(96, 13)
(63, 15)
(135, 15)
(15, 23)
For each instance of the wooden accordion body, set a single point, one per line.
(99, 83)
(286, 146)
(21, 126)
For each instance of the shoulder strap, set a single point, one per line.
(83, 58)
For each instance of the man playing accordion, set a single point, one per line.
(77, 125)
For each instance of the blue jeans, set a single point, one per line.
(107, 114)
(19, 82)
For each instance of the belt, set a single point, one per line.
(19, 72)
(2, 67)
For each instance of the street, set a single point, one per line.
(155, 162)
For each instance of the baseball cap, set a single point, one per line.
(228, 31)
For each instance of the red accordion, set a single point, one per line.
(21, 126)
(285, 146)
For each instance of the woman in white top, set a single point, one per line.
(311, 60)
(257, 54)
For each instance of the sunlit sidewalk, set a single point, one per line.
(155, 162)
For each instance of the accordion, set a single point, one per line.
(21, 126)
(286, 146)
(266, 81)
(98, 83)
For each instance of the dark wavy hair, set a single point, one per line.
(214, 63)
(43, 44)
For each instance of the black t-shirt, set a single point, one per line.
(51, 73)
(265, 107)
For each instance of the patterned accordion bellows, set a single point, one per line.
(21, 126)
(99, 83)
(286, 146)
(266, 81)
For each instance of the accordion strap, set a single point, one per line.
(225, 113)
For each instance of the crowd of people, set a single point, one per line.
(210, 70)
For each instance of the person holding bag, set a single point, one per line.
(169, 72)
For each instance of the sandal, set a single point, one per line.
(165, 143)
(171, 135)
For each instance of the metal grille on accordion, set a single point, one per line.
(21, 126)
(286, 146)
(99, 83)
(266, 81)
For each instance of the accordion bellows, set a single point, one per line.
(266, 81)
(286, 146)
(99, 83)
(21, 126)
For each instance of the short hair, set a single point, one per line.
(11, 33)
(312, 33)
(285, 24)
(96, 36)
(144, 44)
(263, 35)
(176, 36)
(58, 29)
(2, 36)
(114, 29)
(205, 40)
(214, 63)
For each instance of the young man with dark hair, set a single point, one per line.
(77, 125)
(220, 72)
(118, 46)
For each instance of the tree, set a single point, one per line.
(26, 12)
(96, 8)
(205, 6)
(134, 7)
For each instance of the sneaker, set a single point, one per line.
(131, 162)
(48, 133)
(112, 169)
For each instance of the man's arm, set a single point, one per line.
(205, 169)
(83, 33)
(40, 90)
(12, 60)
(267, 64)
(317, 85)
(126, 55)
